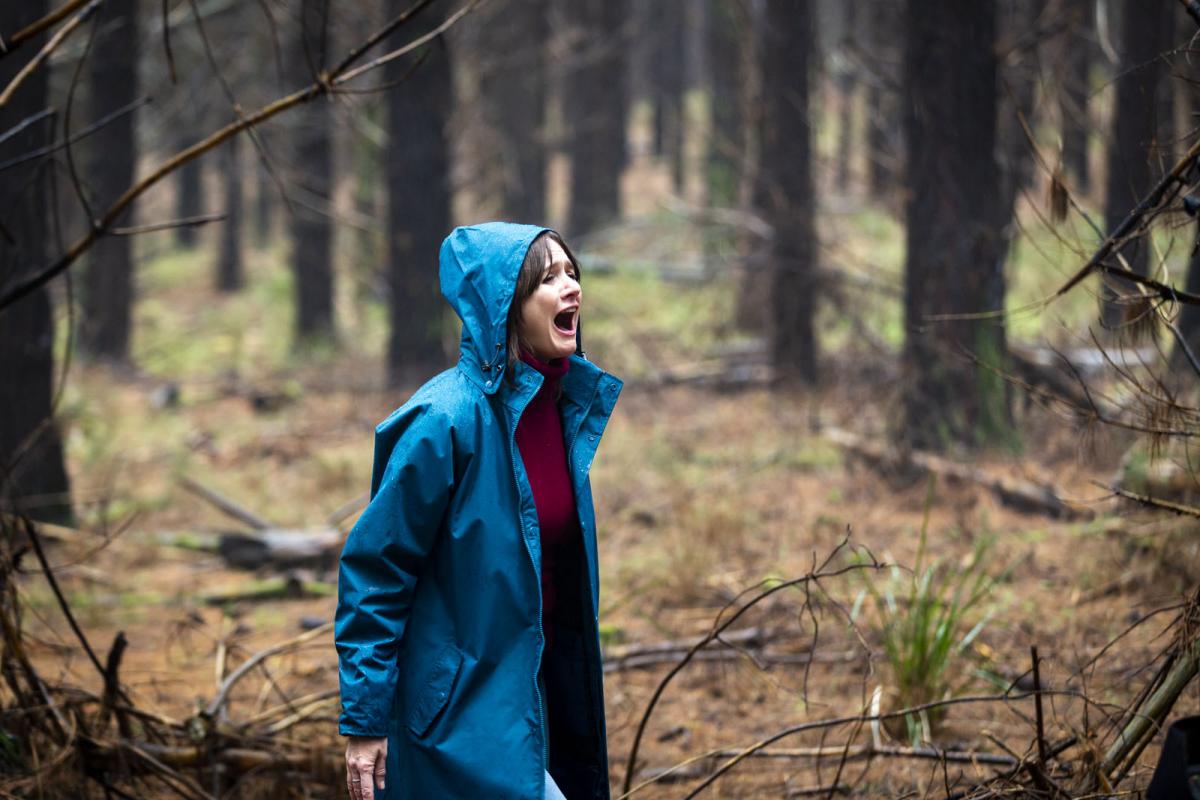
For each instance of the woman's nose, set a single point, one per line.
(572, 289)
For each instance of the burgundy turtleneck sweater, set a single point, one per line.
(544, 453)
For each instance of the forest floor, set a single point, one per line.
(701, 495)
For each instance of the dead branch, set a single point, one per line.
(1022, 495)
(1147, 718)
(326, 84)
(46, 50)
(34, 28)
(719, 627)
(231, 508)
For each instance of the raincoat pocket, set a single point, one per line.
(436, 694)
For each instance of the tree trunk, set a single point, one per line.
(1134, 138)
(789, 38)
(189, 181)
(846, 83)
(596, 109)
(33, 475)
(229, 259)
(1079, 45)
(667, 27)
(954, 253)
(885, 145)
(312, 183)
(265, 194)
(1019, 71)
(728, 32)
(513, 85)
(107, 296)
(419, 200)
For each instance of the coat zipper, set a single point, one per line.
(541, 632)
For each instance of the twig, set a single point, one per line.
(215, 704)
(1149, 715)
(857, 719)
(1153, 502)
(270, 110)
(35, 539)
(46, 50)
(233, 509)
(34, 28)
(717, 630)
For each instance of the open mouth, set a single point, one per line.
(564, 321)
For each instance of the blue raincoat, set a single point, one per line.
(439, 618)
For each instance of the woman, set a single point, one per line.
(467, 614)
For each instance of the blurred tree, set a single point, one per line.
(954, 252)
(1019, 68)
(108, 279)
(789, 38)
(312, 180)
(1075, 88)
(847, 80)
(595, 110)
(885, 145)
(513, 87)
(1139, 80)
(418, 196)
(667, 73)
(265, 193)
(230, 276)
(33, 475)
(729, 31)
(189, 178)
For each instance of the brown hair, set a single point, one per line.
(528, 280)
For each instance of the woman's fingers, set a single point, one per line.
(366, 786)
(380, 771)
(366, 760)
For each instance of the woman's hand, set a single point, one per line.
(366, 759)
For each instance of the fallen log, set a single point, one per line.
(281, 548)
(1023, 495)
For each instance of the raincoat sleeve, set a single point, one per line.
(410, 488)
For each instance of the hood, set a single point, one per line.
(478, 267)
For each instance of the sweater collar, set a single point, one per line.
(552, 370)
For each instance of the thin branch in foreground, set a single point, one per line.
(818, 571)
(326, 85)
(46, 50)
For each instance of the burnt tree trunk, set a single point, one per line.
(1140, 75)
(311, 228)
(955, 251)
(789, 38)
(418, 200)
(33, 475)
(107, 296)
(595, 108)
(514, 84)
(1075, 87)
(230, 277)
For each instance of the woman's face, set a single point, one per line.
(550, 316)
